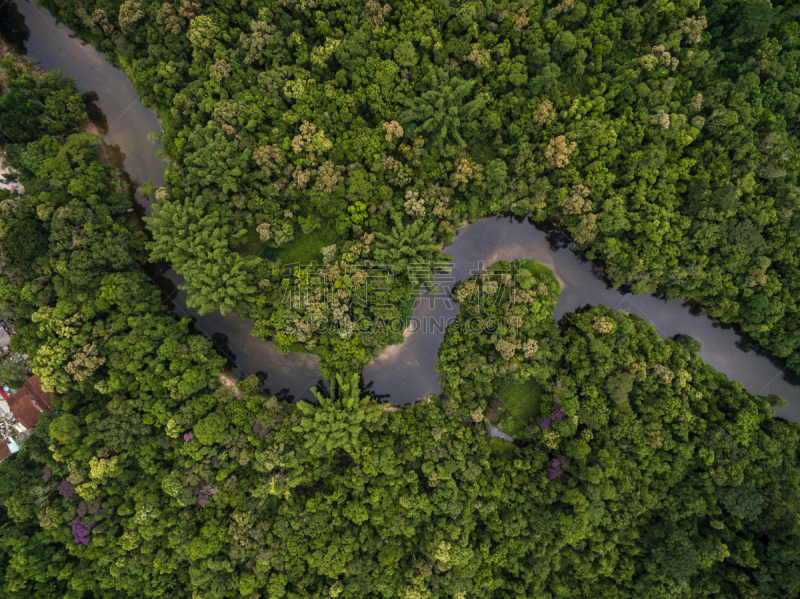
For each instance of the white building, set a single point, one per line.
(7, 420)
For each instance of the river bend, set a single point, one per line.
(406, 372)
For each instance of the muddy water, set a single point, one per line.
(403, 373)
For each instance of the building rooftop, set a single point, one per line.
(7, 447)
(28, 402)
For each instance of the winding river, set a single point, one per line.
(406, 372)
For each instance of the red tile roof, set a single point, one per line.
(34, 386)
(4, 450)
(29, 401)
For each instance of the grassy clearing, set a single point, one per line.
(303, 249)
(520, 402)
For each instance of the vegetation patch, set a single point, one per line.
(304, 249)
(538, 269)
(514, 407)
(502, 448)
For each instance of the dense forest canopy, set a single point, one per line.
(641, 471)
(638, 471)
(663, 136)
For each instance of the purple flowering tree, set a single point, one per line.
(557, 467)
(81, 530)
(65, 489)
(204, 494)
